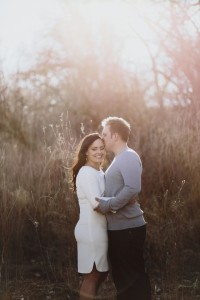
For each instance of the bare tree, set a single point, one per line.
(179, 42)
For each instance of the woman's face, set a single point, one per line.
(96, 153)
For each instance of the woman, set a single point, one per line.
(91, 229)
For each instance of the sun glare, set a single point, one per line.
(23, 22)
(128, 25)
(123, 24)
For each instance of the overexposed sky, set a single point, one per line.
(24, 23)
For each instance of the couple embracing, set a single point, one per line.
(111, 229)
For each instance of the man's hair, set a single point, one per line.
(118, 125)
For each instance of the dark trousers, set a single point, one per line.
(127, 263)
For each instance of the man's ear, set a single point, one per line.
(116, 136)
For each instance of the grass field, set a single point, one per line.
(39, 211)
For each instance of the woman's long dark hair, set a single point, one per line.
(80, 156)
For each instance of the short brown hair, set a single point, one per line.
(118, 125)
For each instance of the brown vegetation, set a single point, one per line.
(43, 114)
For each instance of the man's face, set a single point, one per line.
(108, 138)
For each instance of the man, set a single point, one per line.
(126, 224)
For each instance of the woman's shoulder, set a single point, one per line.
(89, 174)
(87, 170)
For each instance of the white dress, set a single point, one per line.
(91, 229)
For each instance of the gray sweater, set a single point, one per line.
(123, 183)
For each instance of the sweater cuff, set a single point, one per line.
(104, 205)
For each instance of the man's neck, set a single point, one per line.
(121, 147)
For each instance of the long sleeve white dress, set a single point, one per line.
(91, 229)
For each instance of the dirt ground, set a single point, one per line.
(35, 286)
(41, 289)
(36, 289)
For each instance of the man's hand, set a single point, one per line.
(97, 207)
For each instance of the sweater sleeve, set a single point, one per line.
(88, 186)
(130, 169)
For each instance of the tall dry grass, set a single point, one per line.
(39, 211)
(170, 198)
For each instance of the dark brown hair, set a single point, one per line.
(80, 156)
